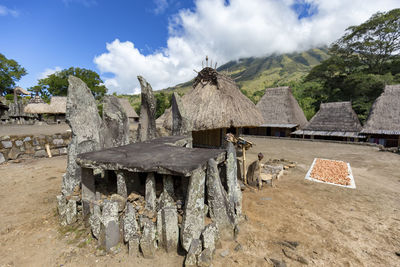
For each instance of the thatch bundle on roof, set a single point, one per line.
(38, 106)
(336, 119)
(216, 102)
(384, 117)
(130, 112)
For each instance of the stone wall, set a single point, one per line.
(32, 146)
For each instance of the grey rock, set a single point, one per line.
(27, 139)
(120, 200)
(150, 192)
(210, 236)
(6, 144)
(2, 159)
(193, 252)
(63, 151)
(234, 192)
(205, 258)
(221, 209)
(86, 125)
(131, 227)
(294, 256)
(193, 220)
(224, 253)
(133, 246)
(168, 185)
(40, 153)
(19, 143)
(109, 233)
(14, 153)
(159, 229)
(148, 239)
(238, 247)
(116, 123)
(277, 263)
(4, 138)
(95, 221)
(58, 142)
(62, 208)
(170, 229)
(121, 184)
(109, 212)
(71, 212)
(181, 124)
(147, 121)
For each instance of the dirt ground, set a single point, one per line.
(333, 225)
(33, 129)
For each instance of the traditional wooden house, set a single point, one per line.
(215, 106)
(130, 112)
(333, 121)
(281, 113)
(54, 112)
(383, 123)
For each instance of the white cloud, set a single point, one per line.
(48, 72)
(161, 6)
(228, 31)
(4, 11)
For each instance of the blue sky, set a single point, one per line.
(164, 40)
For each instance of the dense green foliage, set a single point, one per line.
(10, 72)
(57, 83)
(361, 63)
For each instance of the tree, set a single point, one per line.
(57, 83)
(10, 73)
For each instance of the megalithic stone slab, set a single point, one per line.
(131, 228)
(95, 221)
(116, 123)
(210, 236)
(86, 125)
(150, 192)
(221, 209)
(180, 122)
(122, 189)
(148, 239)
(147, 120)
(109, 233)
(88, 192)
(234, 192)
(170, 229)
(168, 185)
(193, 219)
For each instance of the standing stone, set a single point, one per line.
(168, 185)
(86, 125)
(170, 229)
(147, 119)
(2, 159)
(121, 184)
(159, 228)
(180, 122)
(130, 224)
(148, 239)
(116, 123)
(193, 251)
(62, 208)
(88, 192)
(234, 192)
(109, 234)
(210, 237)
(193, 220)
(150, 192)
(133, 246)
(95, 221)
(70, 212)
(205, 258)
(221, 209)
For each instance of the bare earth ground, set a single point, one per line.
(33, 129)
(333, 225)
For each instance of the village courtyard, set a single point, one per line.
(329, 225)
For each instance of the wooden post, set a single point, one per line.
(244, 165)
(259, 175)
(48, 150)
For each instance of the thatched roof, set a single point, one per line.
(384, 117)
(215, 102)
(130, 112)
(279, 108)
(333, 119)
(20, 90)
(57, 106)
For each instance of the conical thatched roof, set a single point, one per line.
(333, 119)
(20, 90)
(215, 102)
(130, 112)
(384, 117)
(38, 106)
(279, 108)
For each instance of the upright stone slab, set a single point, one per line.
(95, 221)
(234, 192)
(86, 125)
(109, 233)
(193, 252)
(88, 192)
(150, 192)
(148, 239)
(168, 185)
(210, 236)
(121, 184)
(147, 120)
(116, 123)
(180, 121)
(131, 228)
(193, 219)
(221, 209)
(170, 229)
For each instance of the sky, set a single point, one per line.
(166, 40)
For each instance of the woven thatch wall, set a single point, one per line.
(278, 106)
(130, 112)
(335, 116)
(384, 117)
(216, 102)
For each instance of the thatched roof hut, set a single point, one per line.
(20, 90)
(280, 109)
(216, 102)
(335, 119)
(57, 105)
(384, 117)
(130, 112)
